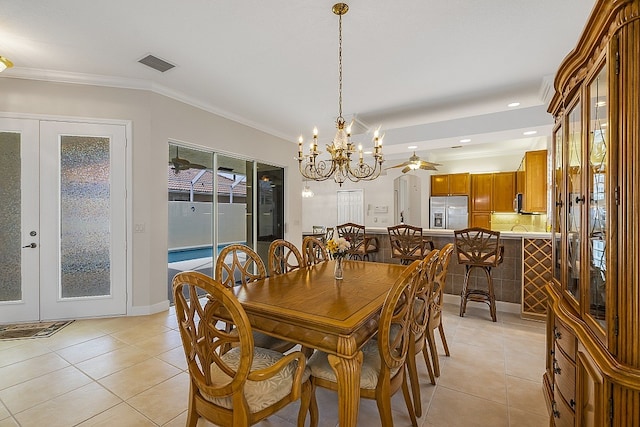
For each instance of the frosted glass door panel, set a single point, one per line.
(84, 217)
(20, 247)
(10, 221)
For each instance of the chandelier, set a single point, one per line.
(341, 149)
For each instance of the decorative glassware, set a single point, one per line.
(338, 271)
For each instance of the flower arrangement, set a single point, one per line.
(338, 248)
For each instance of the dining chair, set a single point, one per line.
(361, 245)
(419, 325)
(313, 251)
(435, 307)
(238, 264)
(232, 382)
(328, 235)
(407, 243)
(283, 257)
(478, 248)
(383, 370)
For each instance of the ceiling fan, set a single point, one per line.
(414, 163)
(180, 164)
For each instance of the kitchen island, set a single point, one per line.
(524, 272)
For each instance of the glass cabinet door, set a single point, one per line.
(595, 299)
(558, 208)
(575, 198)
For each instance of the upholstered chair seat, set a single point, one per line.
(259, 394)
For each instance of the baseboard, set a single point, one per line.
(144, 310)
(506, 307)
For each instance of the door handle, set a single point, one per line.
(31, 245)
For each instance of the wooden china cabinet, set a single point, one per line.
(592, 373)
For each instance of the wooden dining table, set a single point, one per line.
(310, 307)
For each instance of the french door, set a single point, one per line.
(62, 219)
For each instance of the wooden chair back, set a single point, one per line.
(407, 243)
(478, 246)
(419, 324)
(239, 264)
(440, 279)
(329, 234)
(283, 257)
(313, 251)
(424, 290)
(361, 245)
(220, 360)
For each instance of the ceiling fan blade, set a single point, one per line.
(196, 166)
(401, 165)
(428, 167)
(406, 169)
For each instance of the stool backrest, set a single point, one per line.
(478, 246)
(407, 242)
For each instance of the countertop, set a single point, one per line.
(440, 232)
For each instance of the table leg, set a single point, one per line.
(348, 379)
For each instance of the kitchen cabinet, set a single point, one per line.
(455, 184)
(592, 373)
(504, 191)
(491, 192)
(481, 219)
(481, 192)
(535, 181)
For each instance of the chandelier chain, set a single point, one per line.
(340, 67)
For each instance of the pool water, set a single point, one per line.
(185, 254)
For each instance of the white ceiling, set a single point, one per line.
(430, 72)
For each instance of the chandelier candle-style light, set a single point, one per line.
(342, 149)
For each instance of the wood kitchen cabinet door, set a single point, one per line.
(439, 185)
(504, 191)
(459, 184)
(481, 219)
(481, 189)
(535, 199)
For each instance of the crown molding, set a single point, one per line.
(136, 84)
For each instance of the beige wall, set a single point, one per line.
(155, 120)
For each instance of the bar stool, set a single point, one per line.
(361, 245)
(478, 248)
(407, 243)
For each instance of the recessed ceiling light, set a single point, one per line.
(412, 147)
(513, 104)
(367, 152)
(601, 103)
(530, 132)
(465, 140)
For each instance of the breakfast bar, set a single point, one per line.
(525, 270)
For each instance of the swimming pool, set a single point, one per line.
(184, 254)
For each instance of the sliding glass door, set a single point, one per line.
(208, 211)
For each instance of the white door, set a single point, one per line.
(73, 254)
(19, 221)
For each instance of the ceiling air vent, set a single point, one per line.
(156, 63)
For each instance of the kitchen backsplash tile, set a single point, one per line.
(518, 222)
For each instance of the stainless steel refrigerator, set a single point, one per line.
(449, 212)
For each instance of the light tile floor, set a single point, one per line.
(131, 372)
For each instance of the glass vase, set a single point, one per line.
(338, 271)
